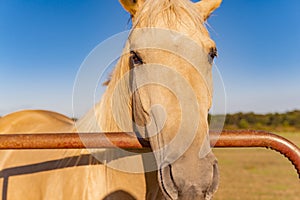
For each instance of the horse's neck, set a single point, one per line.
(88, 123)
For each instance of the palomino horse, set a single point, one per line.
(161, 89)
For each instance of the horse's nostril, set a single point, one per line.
(167, 182)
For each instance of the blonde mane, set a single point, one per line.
(102, 111)
(174, 12)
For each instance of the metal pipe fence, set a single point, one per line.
(227, 139)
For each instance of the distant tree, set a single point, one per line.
(289, 121)
(243, 124)
(74, 119)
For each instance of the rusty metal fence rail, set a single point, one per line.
(227, 139)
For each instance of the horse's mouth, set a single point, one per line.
(175, 185)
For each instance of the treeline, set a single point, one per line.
(282, 122)
(289, 121)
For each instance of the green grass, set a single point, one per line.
(257, 174)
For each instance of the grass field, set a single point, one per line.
(257, 174)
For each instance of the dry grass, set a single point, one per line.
(252, 174)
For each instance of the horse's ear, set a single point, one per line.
(206, 7)
(132, 6)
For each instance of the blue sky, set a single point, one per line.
(44, 42)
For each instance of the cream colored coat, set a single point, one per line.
(75, 174)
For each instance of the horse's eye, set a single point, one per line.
(212, 54)
(135, 58)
